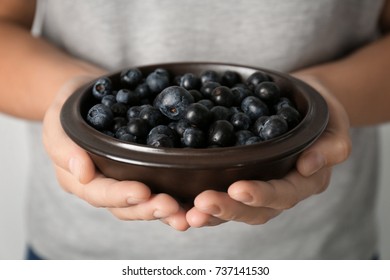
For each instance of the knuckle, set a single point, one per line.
(342, 149)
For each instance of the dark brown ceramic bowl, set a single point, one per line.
(184, 173)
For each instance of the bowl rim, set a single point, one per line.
(288, 144)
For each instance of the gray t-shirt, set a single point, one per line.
(281, 35)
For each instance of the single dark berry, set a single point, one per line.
(206, 102)
(230, 78)
(221, 133)
(208, 88)
(290, 115)
(133, 112)
(165, 130)
(100, 117)
(118, 122)
(152, 116)
(196, 94)
(253, 140)
(254, 107)
(220, 113)
(194, 138)
(138, 127)
(273, 127)
(173, 102)
(101, 88)
(209, 76)
(239, 93)
(157, 80)
(108, 100)
(222, 96)
(181, 126)
(256, 78)
(198, 115)
(190, 81)
(242, 136)
(119, 109)
(127, 97)
(142, 91)
(131, 77)
(268, 92)
(283, 102)
(240, 121)
(159, 141)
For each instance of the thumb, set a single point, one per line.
(61, 149)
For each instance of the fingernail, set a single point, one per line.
(74, 167)
(313, 162)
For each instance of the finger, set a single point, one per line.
(61, 149)
(199, 219)
(104, 192)
(280, 194)
(220, 205)
(177, 221)
(159, 206)
(334, 145)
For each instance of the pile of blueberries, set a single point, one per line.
(196, 111)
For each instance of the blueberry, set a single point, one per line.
(127, 97)
(108, 100)
(254, 107)
(142, 91)
(290, 115)
(239, 93)
(256, 78)
(119, 109)
(253, 140)
(198, 115)
(158, 80)
(101, 88)
(131, 77)
(242, 136)
(119, 132)
(223, 96)
(100, 117)
(133, 112)
(273, 127)
(173, 102)
(240, 121)
(194, 138)
(152, 115)
(196, 94)
(159, 141)
(269, 92)
(206, 102)
(138, 127)
(208, 88)
(220, 113)
(283, 102)
(181, 126)
(190, 81)
(118, 122)
(165, 130)
(230, 78)
(209, 76)
(221, 133)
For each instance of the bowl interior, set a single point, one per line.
(308, 102)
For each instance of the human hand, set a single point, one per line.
(256, 202)
(76, 173)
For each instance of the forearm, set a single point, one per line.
(360, 82)
(32, 71)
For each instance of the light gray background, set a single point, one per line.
(14, 154)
